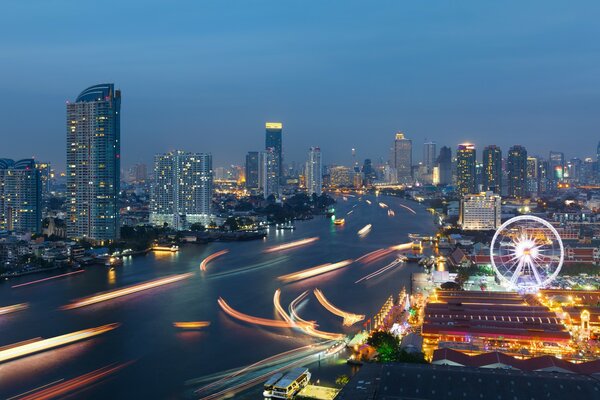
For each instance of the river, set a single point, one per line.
(246, 277)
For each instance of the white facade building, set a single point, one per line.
(314, 174)
(480, 212)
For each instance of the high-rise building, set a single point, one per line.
(20, 196)
(252, 170)
(573, 170)
(492, 169)
(93, 164)
(46, 177)
(444, 162)
(268, 174)
(341, 176)
(480, 212)
(402, 158)
(544, 179)
(532, 176)
(182, 189)
(516, 168)
(273, 140)
(314, 172)
(368, 171)
(466, 162)
(557, 167)
(429, 155)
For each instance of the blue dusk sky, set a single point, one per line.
(206, 75)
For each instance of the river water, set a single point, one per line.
(246, 277)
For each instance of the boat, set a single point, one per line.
(288, 385)
(287, 226)
(113, 262)
(339, 221)
(172, 248)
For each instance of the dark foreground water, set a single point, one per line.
(165, 357)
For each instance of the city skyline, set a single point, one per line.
(503, 92)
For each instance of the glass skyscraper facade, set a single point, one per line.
(252, 170)
(444, 163)
(93, 164)
(314, 172)
(274, 141)
(20, 196)
(466, 164)
(492, 169)
(402, 158)
(516, 168)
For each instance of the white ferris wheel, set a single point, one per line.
(526, 253)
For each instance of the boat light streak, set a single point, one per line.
(379, 271)
(191, 324)
(62, 388)
(349, 318)
(46, 344)
(383, 205)
(314, 271)
(408, 208)
(113, 294)
(403, 246)
(365, 230)
(291, 245)
(250, 319)
(211, 257)
(47, 279)
(13, 308)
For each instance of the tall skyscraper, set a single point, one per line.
(182, 190)
(516, 167)
(429, 155)
(252, 170)
(466, 162)
(492, 169)
(93, 164)
(532, 176)
(273, 140)
(557, 167)
(20, 196)
(46, 176)
(402, 158)
(444, 162)
(269, 177)
(314, 172)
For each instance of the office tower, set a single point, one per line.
(20, 196)
(368, 171)
(492, 169)
(573, 169)
(516, 168)
(588, 171)
(269, 177)
(557, 166)
(341, 176)
(93, 164)
(444, 162)
(314, 173)
(46, 176)
(544, 180)
(402, 158)
(429, 155)
(532, 175)
(273, 140)
(182, 191)
(466, 169)
(252, 170)
(480, 212)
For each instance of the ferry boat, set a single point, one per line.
(172, 249)
(113, 262)
(287, 226)
(286, 386)
(339, 221)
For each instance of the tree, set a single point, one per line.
(386, 344)
(342, 380)
(197, 227)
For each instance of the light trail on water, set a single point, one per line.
(349, 318)
(191, 324)
(250, 319)
(13, 308)
(47, 279)
(211, 257)
(63, 388)
(365, 230)
(314, 271)
(408, 208)
(102, 297)
(46, 344)
(291, 245)
(379, 271)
